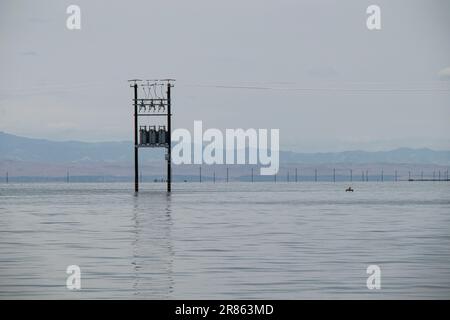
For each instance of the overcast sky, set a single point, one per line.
(313, 69)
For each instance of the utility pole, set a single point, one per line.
(136, 154)
(200, 174)
(296, 177)
(227, 174)
(252, 174)
(169, 138)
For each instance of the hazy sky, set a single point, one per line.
(323, 79)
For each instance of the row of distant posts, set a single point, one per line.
(162, 142)
(154, 104)
(436, 176)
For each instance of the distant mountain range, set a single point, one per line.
(16, 148)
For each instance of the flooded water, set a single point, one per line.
(230, 241)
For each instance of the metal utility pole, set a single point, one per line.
(169, 139)
(136, 153)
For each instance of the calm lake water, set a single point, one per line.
(231, 241)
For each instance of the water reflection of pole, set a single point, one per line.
(148, 260)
